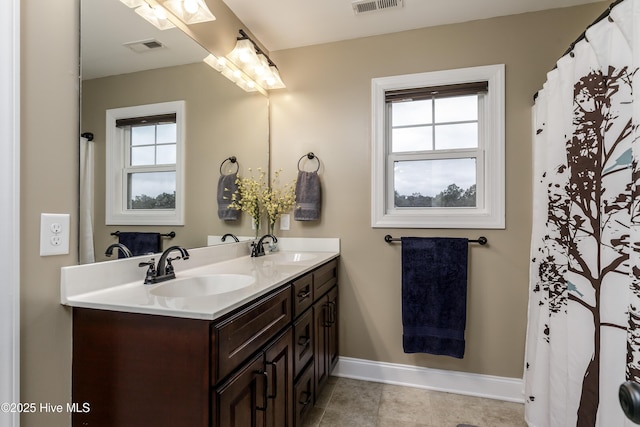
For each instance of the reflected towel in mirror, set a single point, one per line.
(140, 243)
(226, 187)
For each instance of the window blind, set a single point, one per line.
(147, 120)
(421, 93)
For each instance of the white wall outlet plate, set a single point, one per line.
(54, 234)
(285, 220)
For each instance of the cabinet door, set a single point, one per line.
(303, 395)
(279, 366)
(241, 401)
(302, 341)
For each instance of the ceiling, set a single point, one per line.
(106, 25)
(283, 24)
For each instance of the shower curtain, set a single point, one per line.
(583, 337)
(86, 249)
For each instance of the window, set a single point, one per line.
(438, 149)
(144, 183)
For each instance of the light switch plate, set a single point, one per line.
(54, 234)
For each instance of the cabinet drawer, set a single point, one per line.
(302, 294)
(324, 278)
(238, 337)
(302, 341)
(303, 395)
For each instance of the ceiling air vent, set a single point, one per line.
(366, 6)
(144, 46)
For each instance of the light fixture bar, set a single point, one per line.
(259, 51)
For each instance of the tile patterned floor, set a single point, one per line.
(350, 403)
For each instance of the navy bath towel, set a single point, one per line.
(141, 243)
(434, 295)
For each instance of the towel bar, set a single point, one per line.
(482, 240)
(170, 235)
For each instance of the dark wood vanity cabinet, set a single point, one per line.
(261, 365)
(259, 394)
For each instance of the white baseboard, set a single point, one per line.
(488, 386)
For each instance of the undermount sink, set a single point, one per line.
(203, 285)
(292, 257)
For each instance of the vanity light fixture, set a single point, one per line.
(248, 67)
(155, 15)
(190, 11)
(155, 12)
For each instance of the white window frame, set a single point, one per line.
(490, 212)
(116, 154)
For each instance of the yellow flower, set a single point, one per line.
(277, 201)
(254, 196)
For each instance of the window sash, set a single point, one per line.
(434, 153)
(490, 154)
(119, 166)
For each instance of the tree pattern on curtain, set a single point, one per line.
(586, 254)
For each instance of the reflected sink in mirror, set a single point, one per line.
(203, 285)
(287, 257)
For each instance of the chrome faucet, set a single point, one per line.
(164, 270)
(122, 248)
(229, 235)
(257, 249)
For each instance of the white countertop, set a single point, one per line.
(118, 285)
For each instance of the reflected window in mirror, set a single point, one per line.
(145, 164)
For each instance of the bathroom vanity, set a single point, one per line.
(259, 360)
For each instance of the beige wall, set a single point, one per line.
(221, 121)
(326, 109)
(49, 182)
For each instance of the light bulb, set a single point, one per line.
(160, 13)
(262, 66)
(190, 6)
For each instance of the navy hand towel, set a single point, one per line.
(141, 243)
(434, 295)
(226, 187)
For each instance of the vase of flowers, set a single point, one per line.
(255, 197)
(247, 198)
(278, 200)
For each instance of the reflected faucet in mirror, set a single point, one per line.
(233, 236)
(126, 253)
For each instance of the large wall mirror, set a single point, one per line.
(221, 120)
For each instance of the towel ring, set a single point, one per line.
(231, 159)
(309, 156)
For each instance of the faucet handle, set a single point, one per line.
(151, 271)
(169, 268)
(257, 249)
